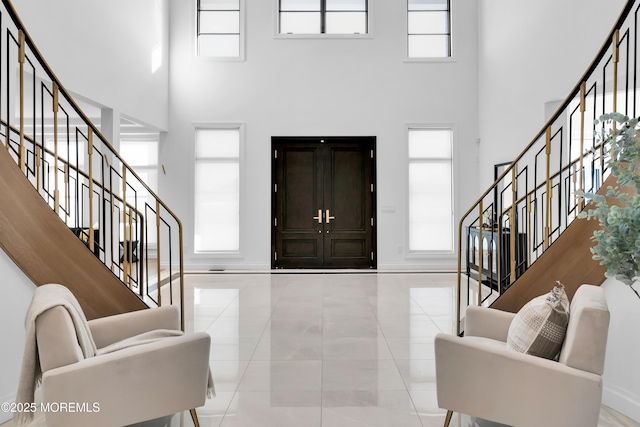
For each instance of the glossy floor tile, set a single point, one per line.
(336, 349)
(325, 350)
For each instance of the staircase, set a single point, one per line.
(73, 211)
(521, 235)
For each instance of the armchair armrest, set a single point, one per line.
(482, 377)
(132, 385)
(487, 322)
(111, 329)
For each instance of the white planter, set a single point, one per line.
(621, 377)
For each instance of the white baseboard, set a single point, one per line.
(621, 400)
(434, 266)
(222, 267)
(6, 416)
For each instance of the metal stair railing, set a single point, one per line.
(536, 197)
(82, 177)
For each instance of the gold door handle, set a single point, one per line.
(328, 217)
(319, 217)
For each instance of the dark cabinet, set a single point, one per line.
(496, 267)
(83, 235)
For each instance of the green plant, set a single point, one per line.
(618, 241)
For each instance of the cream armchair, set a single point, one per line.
(477, 375)
(133, 384)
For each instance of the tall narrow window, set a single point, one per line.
(219, 28)
(430, 190)
(429, 29)
(323, 16)
(141, 153)
(217, 190)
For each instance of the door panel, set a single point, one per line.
(323, 203)
(348, 180)
(347, 183)
(301, 185)
(299, 190)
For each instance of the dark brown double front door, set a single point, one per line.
(323, 202)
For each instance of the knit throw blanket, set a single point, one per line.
(44, 298)
(49, 296)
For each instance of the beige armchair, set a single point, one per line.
(479, 376)
(130, 385)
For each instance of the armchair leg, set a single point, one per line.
(447, 420)
(194, 417)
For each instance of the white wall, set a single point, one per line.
(17, 291)
(102, 50)
(621, 389)
(531, 52)
(320, 87)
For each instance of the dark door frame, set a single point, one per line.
(275, 140)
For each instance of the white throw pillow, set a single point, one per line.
(540, 326)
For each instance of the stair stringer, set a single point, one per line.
(47, 251)
(568, 260)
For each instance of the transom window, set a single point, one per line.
(429, 28)
(323, 16)
(219, 28)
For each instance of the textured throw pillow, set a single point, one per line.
(540, 326)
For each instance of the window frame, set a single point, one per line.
(241, 34)
(423, 253)
(240, 161)
(323, 35)
(452, 50)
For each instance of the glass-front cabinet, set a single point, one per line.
(493, 255)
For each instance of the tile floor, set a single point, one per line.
(327, 350)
